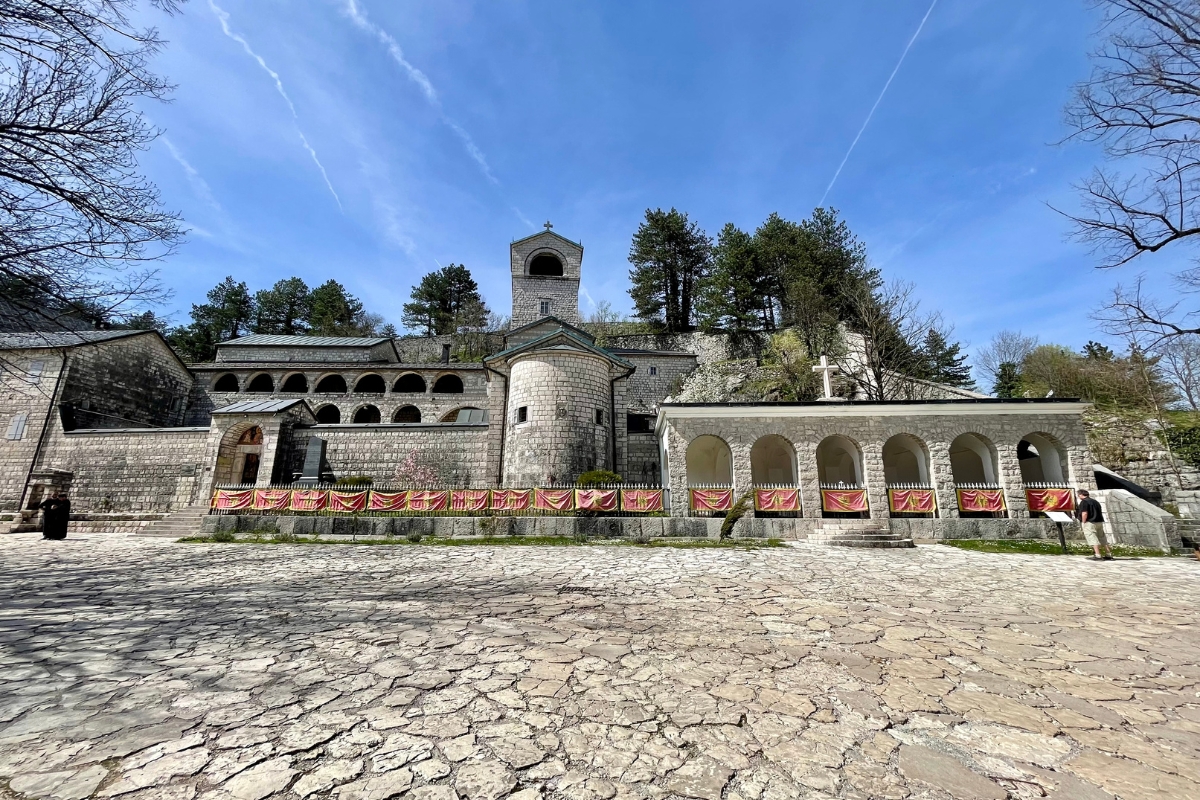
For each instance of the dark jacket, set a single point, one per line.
(55, 516)
(1092, 507)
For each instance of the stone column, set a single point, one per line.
(941, 475)
(1010, 481)
(874, 480)
(743, 477)
(676, 467)
(808, 477)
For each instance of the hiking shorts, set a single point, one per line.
(1094, 533)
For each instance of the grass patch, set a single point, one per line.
(1044, 547)
(255, 537)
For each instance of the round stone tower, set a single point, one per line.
(559, 416)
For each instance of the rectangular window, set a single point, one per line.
(654, 370)
(544, 306)
(523, 414)
(639, 423)
(16, 426)
(599, 416)
(35, 371)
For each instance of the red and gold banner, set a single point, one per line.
(777, 499)
(348, 502)
(272, 499)
(511, 499)
(980, 500)
(388, 501)
(711, 499)
(596, 499)
(1050, 499)
(428, 500)
(554, 499)
(233, 499)
(849, 500)
(309, 499)
(912, 501)
(641, 500)
(468, 499)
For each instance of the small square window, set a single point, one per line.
(654, 370)
(35, 371)
(544, 307)
(599, 416)
(523, 414)
(16, 426)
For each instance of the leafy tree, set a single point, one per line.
(229, 313)
(732, 296)
(446, 301)
(1008, 381)
(944, 362)
(670, 256)
(283, 309)
(1006, 347)
(146, 321)
(389, 330)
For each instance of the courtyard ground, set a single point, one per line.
(138, 668)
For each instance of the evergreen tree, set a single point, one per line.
(445, 301)
(670, 256)
(228, 314)
(732, 294)
(1098, 352)
(1008, 381)
(335, 312)
(284, 308)
(944, 362)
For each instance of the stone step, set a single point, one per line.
(177, 524)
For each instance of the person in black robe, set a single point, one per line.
(56, 513)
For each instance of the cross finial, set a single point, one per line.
(548, 226)
(826, 369)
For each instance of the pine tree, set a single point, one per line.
(1008, 381)
(284, 308)
(228, 314)
(670, 256)
(944, 362)
(335, 312)
(445, 301)
(732, 295)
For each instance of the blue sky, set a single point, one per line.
(423, 133)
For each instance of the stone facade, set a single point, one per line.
(537, 296)
(457, 452)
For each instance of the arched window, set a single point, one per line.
(467, 414)
(411, 383)
(370, 384)
(295, 383)
(261, 383)
(773, 460)
(448, 384)
(839, 461)
(1042, 459)
(331, 384)
(329, 415)
(407, 414)
(709, 462)
(905, 460)
(251, 436)
(546, 264)
(973, 459)
(366, 415)
(226, 383)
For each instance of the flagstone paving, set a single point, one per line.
(148, 669)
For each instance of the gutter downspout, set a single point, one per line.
(612, 415)
(37, 453)
(503, 422)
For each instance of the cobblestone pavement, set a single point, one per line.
(148, 669)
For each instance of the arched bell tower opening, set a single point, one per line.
(545, 278)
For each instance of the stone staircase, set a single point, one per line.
(176, 525)
(858, 533)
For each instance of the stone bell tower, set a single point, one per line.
(545, 278)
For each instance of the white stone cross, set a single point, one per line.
(826, 369)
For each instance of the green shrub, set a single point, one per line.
(1184, 442)
(414, 537)
(355, 480)
(598, 477)
(737, 512)
(283, 537)
(223, 536)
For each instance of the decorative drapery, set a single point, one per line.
(233, 499)
(1050, 499)
(511, 499)
(711, 499)
(777, 499)
(348, 502)
(468, 499)
(645, 500)
(849, 500)
(912, 501)
(428, 500)
(388, 501)
(596, 499)
(980, 500)
(554, 499)
(309, 499)
(272, 499)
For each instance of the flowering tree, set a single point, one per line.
(416, 470)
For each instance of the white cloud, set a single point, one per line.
(195, 179)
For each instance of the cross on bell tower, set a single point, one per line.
(548, 225)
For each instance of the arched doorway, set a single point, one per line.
(709, 462)
(410, 383)
(261, 383)
(295, 383)
(1042, 459)
(448, 384)
(226, 383)
(370, 384)
(839, 462)
(905, 461)
(329, 415)
(973, 460)
(366, 415)
(773, 462)
(407, 414)
(239, 455)
(331, 384)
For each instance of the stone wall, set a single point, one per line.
(134, 381)
(26, 403)
(376, 450)
(307, 353)
(528, 290)
(1130, 520)
(645, 391)
(1130, 446)
(707, 347)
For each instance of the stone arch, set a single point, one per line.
(226, 383)
(709, 462)
(366, 415)
(261, 382)
(408, 414)
(239, 454)
(1042, 458)
(545, 263)
(455, 414)
(772, 460)
(331, 384)
(839, 460)
(905, 460)
(448, 384)
(410, 383)
(295, 383)
(370, 383)
(328, 414)
(973, 459)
